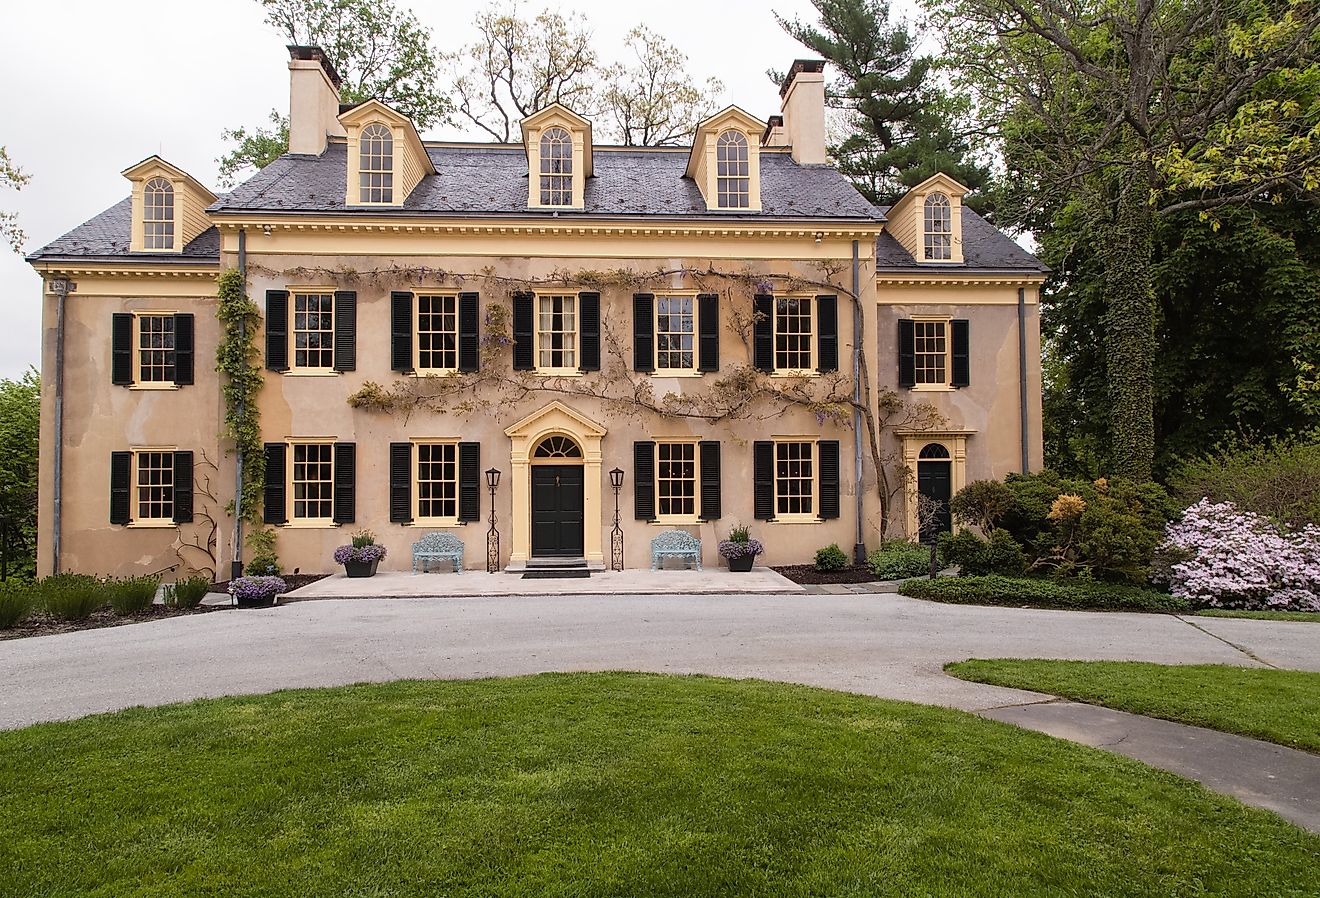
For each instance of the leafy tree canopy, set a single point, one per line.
(20, 424)
(11, 176)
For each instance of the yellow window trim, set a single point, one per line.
(307, 523)
(696, 336)
(695, 517)
(295, 369)
(810, 370)
(418, 520)
(134, 505)
(418, 370)
(945, 385)
(798, 518)
(577, 333)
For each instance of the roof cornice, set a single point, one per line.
(959, 278)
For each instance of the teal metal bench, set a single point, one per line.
(675, 544)
(438, 547)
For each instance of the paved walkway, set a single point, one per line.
(883, 645)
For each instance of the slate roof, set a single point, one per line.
(492, 181)
(985, 248)
(106, 236)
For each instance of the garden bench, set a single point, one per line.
(675, 544)
(438, 546)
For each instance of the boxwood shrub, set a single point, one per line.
(1023, 591)
(898, 559)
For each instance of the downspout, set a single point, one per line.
(859, 547)
(236, 565)
(1022, 377)
(56, 539)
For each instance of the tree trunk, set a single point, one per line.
(1129, 326)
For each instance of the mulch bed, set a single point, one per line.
(42, 624)
(294, 580)
(807, 573)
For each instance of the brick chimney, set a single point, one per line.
(313, 100)
(802, 100)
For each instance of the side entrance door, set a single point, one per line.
(934, 481)
(557, 511)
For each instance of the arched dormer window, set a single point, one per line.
(376, 164)
(158, 214)
(556, 168)
(733, 175)
(938, 227)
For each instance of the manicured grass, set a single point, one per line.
(609, 784)
(1311, 617)
(1280, 706)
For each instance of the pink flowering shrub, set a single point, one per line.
(1223, 557)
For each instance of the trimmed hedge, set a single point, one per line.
(1018, 592)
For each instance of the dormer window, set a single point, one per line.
(733, 171)
(938, 228)
(376, 164)
(556, 168)
(158, 215)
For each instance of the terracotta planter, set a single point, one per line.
(361, 568)
(741, 565)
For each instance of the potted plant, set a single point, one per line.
(740, 550)
(256, 592)
(362, 557)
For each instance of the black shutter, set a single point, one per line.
(401, 331)
(183, 349)
(469, 481)
(827, 333)
(829, 478)
(710, 479)
(763, 480)
(277, 330)
(708, 324)
(121, 487)
(961, 344)
(469, 358)
(644, 480)
(401, 483)
(589, 330)
(643, 332)
(524, 356)
(345, 475)
(345, 351)
(275, 509)
(763, 330)
(183, 487)
(121, 348)
(907, 353)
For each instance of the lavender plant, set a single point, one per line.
(257, 589)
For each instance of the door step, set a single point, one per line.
(569, 573)
(556, 564)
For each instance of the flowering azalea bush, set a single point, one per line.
(734, 549)
(361, 554)
(257, 589)
(1223, 557)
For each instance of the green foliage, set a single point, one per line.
(831, 558)
(1000, 554)
(131, 595)
(20, 426)
(363, 538)
(982, 503)
(71, 597)
(1278, 478)
(902, 127)
(256, 148)
(1035, 593)
(16, 602)
(898, 559)
(265, 562)
(237, 362)
(186, 593)
(740, 534)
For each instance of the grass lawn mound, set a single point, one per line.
(1280, 706)
(608, 785)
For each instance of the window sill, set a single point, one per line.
(805, 372)
(676, 372)
(559, 372)
(312, 372)
(932, 388)
(435, 522)
(423, 373)
(151, 525)
(676, 522)
(161, 387)
(309, 525)
(797, 519)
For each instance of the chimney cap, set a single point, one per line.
(316, 54)
(773, 122)
(798, 67)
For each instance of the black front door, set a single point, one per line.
(557, 510)
(934, 481)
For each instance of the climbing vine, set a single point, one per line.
(237, 361)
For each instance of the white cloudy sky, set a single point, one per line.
(91, 87)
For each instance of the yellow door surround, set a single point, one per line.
(955, 441)
(555, 419)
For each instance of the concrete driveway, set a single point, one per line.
(882, 645)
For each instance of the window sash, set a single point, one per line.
(675, 333)
(556, 168)
(311, 481)
(732, 172)
(153, 482)
(931, 352)
(435, 480)
(795, 479)
(376, 165)
(938, 228)
(556, 332)
(676, 480)
(437, 333)
(155, 348)
(158, 214)
(313, 331)
(793, 334)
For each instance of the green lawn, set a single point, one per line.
(1312, 617)
(1280, 706)
(609, 785)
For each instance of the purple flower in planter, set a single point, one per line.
(359, 554)
(732, 550)
(257, 589)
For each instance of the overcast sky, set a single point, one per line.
(92, 87)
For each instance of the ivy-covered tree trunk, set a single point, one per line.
(1129, 325)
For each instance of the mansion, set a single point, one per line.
(711, 336)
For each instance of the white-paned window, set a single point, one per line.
(158, 214)
(676, 480)
(556, 332)
(311, 477)
(314, 330)
(733, 183)
(939, 227)
(437, 333)
(795, 479)
(556, 168)
(155, 486)
(675, 333)
(793, 333)
(376, 164)
(437, 481)
(931, 343)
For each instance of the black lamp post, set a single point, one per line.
(493, 536)
(616, 535)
